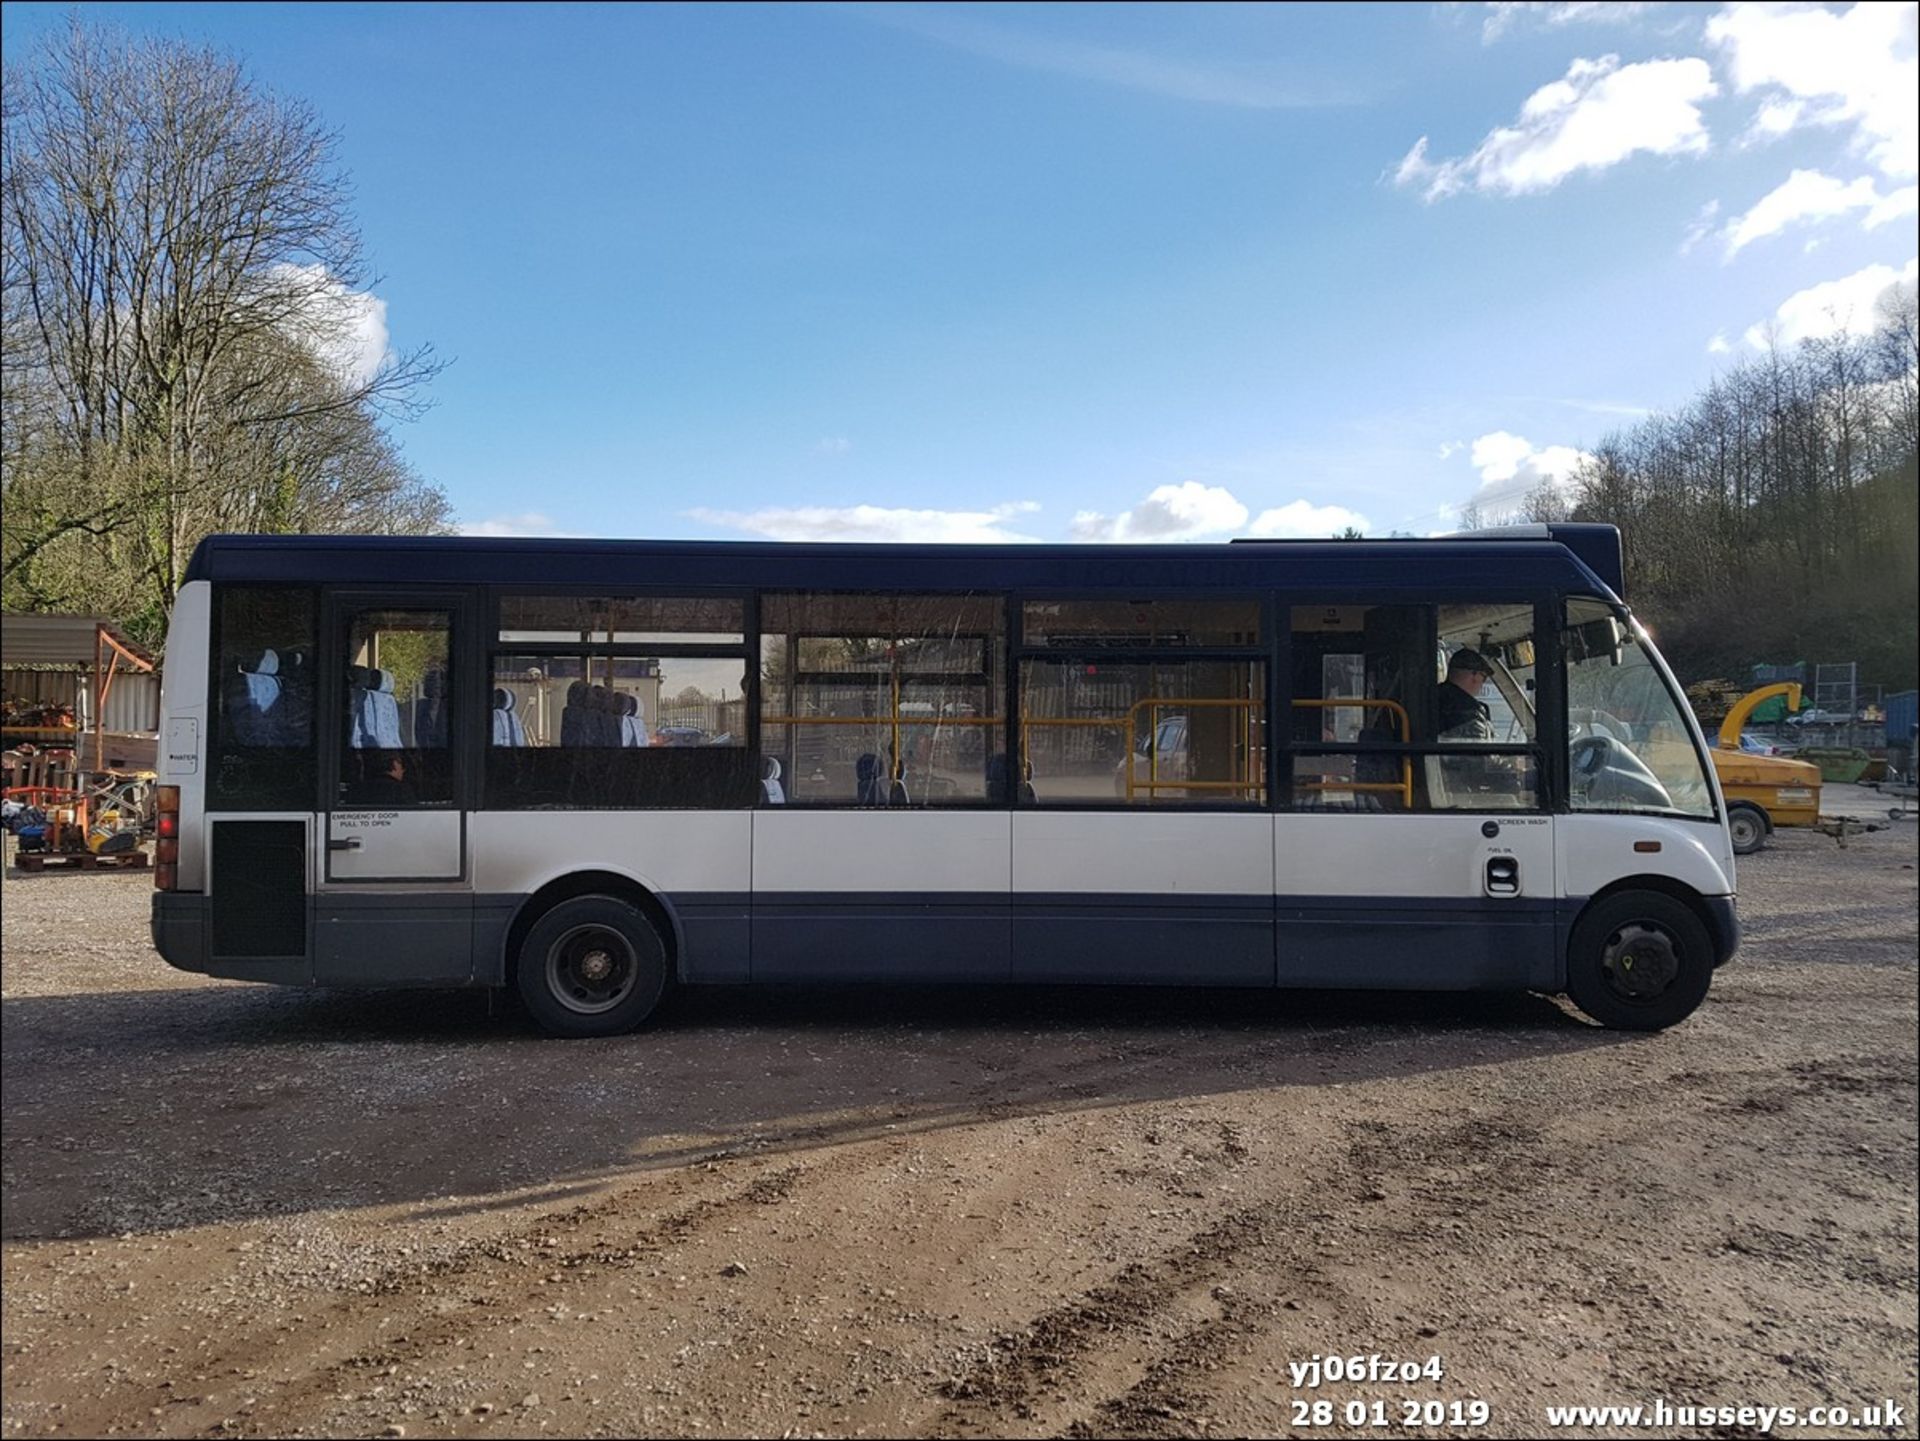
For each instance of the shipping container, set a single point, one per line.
(1900, 717)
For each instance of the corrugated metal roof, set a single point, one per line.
(55, 640)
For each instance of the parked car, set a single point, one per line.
(1754, 746)
(1819, 718)
(1169, 740)
(679, 736)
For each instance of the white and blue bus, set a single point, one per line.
(591, 770)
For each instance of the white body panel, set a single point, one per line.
(1597, 850)
(517, 852)
(394, 845)
(1330, 856)
(1153, 854)
(797, 851)
(182, 757)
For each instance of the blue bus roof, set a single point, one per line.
(1564, 557)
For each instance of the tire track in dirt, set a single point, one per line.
(534, 1257)
(1063, 1372)
(1166, 1401)
(1051, 1357)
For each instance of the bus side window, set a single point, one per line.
(883, 700)
(262, 695)
(1382, 693)
(587, 711)
(394, 732)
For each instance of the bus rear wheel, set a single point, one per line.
(1639, 961)
(1748, 827)
(592, 966)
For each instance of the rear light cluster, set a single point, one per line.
(166, 829)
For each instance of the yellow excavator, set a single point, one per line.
(1763, 791)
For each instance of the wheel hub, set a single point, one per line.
(1641, 961)
(591, 969)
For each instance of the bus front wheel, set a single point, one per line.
(1748, 827)
(1639, 961)
(592, 966)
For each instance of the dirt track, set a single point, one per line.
(239, 1211)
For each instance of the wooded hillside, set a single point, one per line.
(1773, 518)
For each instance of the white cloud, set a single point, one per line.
(1303, 520)
(1597, 115)
(528, 523)
(1814, 66)
(872, 523)
(833, 445)
(1719, 345)
(1895, 205)
(1850, 303)
(1511, 468)
(1449, 447)
(1415, 169)
(1808, 196)
(1503, 15)
(346, 329)
(1171, 512)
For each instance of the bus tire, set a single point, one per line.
(1639, 961)
(1748, 826)
(592, 966)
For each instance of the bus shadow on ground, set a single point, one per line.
(143, 1111)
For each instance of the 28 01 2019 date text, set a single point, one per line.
(1405, 1413)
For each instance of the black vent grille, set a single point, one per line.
(259, 887)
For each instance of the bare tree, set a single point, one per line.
(1774, 517)
(1545, 503)
(180, 273)
(1897, 350)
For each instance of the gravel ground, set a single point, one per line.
(237, 1211)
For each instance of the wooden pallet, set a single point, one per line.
(81, 861)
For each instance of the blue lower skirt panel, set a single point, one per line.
(1410, 943)
(877, 937)
(1420, 944)
(1417, 943)
(1144, 940)
(393, 940)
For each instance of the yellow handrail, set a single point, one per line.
(1393, 707)
(1154, 783)
(1406, 726)
(1256, 786)
(1128, 721)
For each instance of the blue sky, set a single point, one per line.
(1078, 272)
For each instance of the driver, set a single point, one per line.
(1459, 713)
